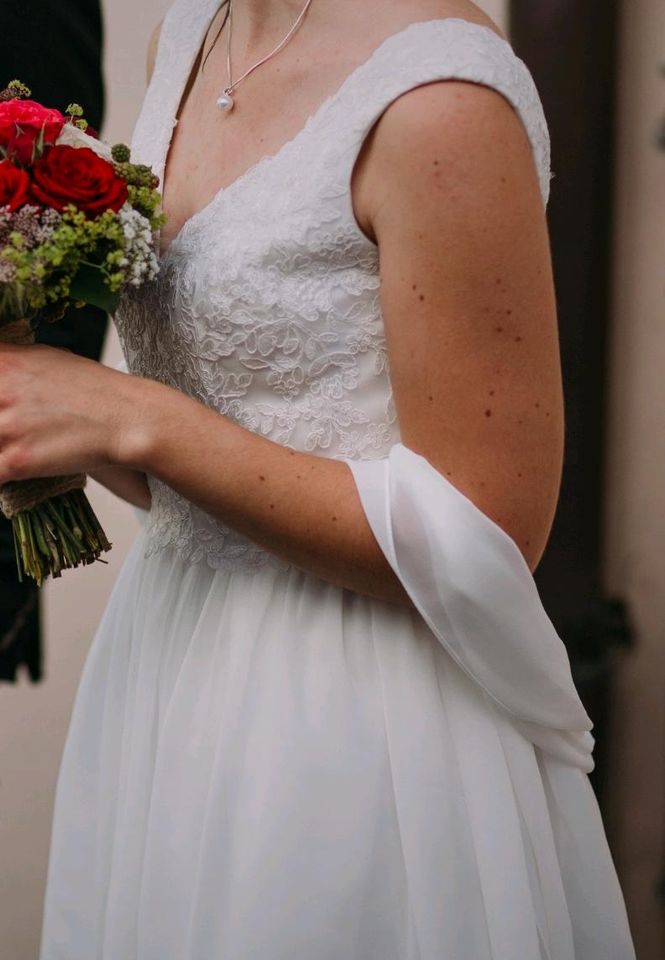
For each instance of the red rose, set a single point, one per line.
(65, 175)
(21, 125)
(14, 186)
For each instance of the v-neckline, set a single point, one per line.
(318, 112)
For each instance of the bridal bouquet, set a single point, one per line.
(78, 223)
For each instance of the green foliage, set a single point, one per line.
(15, 90)
(76, 242)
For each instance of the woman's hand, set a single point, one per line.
(61, 413)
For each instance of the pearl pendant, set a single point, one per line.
(225, 103)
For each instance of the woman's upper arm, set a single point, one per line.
(152, 49)
(468, 300)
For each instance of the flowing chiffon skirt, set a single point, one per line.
(263, 766)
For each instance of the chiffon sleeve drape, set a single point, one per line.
(471, 585)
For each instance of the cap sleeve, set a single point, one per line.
(446, 49)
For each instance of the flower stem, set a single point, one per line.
(57, 534)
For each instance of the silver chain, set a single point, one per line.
(233, 84)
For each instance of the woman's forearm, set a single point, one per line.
(301, 507)
(130, 485)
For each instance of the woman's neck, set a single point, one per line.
(259, 23)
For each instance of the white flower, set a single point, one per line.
(139, 262)
(71, 136)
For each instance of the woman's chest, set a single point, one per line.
(210, 150)
(282, 334)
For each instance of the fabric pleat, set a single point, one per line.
(548, 883)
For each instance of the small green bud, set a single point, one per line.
(120, 153)
(14, 91)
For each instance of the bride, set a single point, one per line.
(324, 714)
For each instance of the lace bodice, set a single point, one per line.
(267, 307)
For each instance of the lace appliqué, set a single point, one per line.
(267, 306)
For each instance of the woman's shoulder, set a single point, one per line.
(490, 94)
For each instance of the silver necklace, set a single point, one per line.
(225, 101)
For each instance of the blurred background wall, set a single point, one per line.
(635, 474)
(34, 719)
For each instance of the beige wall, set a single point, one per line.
(635, 509)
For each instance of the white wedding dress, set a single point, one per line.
(263, 766)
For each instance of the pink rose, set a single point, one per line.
(21, 125)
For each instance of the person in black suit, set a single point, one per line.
(55, 47)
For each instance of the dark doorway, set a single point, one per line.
(570, 47)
